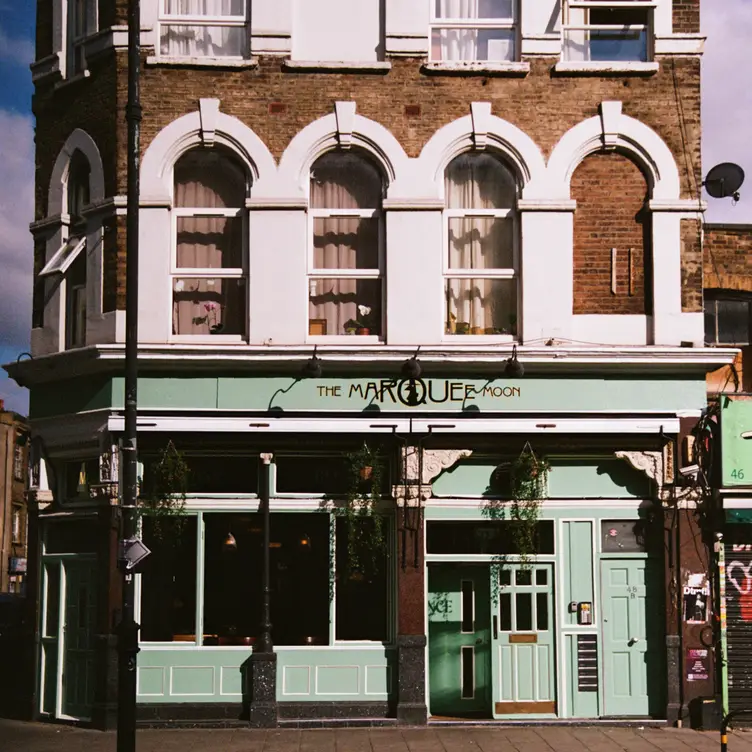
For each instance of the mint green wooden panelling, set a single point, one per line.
(471, 396)
(577, 563)
(208, 675)
(596, 478)
(736, 425)
(445, 510)
(579, 704)
(467, 477)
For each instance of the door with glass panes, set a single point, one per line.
(523, 640)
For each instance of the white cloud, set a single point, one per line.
(16, 211)
(727, 99)
(16, 50)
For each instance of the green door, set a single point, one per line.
(631, 613)
(459, 637)
(524, 671)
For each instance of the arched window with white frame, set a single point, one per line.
(209, 258)
(481, 256)
(346, 254)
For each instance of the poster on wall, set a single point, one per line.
(697, 664)
(696, 596)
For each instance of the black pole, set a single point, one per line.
(128, 628)
(266, 645)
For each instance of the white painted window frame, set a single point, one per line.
(179, 19)
(76, 63)
(180, 272)
(315, 273)
(450, 273)
(587, 5)
(506, 24)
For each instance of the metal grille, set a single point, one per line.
(739, 624)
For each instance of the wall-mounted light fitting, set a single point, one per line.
(412, 368)
(313, 368)
(513, 368)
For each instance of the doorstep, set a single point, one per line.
(620, 722)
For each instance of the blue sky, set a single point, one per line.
(727, 113)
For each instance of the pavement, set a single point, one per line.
(17, 736)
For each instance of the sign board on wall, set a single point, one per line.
(736, 441)
(697, 664)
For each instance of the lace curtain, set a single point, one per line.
(202, 40)
(473, 44)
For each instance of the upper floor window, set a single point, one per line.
(82, 23)
(728, 317)
(607, 31)
(346, 257)
(473, 30)
(17, 525)
(18, 462)
(203, 28)
(209, 255)
(481, 256)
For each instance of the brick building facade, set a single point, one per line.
(471, 186)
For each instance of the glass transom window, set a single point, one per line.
(607, 31)
(473, 30)
(346, 258)
(481, 254)
(728, 318)
(203, 28)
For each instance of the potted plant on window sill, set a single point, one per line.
(212, 318)
(363, 324)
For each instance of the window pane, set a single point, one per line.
(327, 475)
(208, 306)
(209, 178)
(468, 597)
(344, 306)
(468, 672)
(505, 612)
(52, 612)
(79, 476)
(468, 45)
(541, 576)
(505, 577)
(541, 611)
(210, 242)
(168, 580)
(479, 181)
(78, 537)
(362, 595)
(488, 537)
(202, 8)
(342, 180)
(211, 473)
(346, 243)
(710, 321)
(202, 41)
(524, 608)
(481, 9)
(523, 577)
(76, 315)
(610, 46)
(481, 243)
(733, 322)
(481, 306)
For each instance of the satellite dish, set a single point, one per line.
(724, 180)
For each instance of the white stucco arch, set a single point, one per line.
(341, 129)
(614, 130)
(194, 129)
(483, 130)
(78, 140)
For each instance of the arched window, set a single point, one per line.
(67, 267)
(346, 258)
(209, 257)
(481, 257)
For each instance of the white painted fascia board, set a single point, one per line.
(679, 44)
(736, 503)
(44, 67)
(541, 45)
(678, 205)
(564, 66)
(438, 425)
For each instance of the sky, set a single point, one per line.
(726, 113)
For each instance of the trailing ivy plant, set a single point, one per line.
(162, 498)
(528, 481)
(366, 528)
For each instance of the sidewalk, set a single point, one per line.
(36, 737)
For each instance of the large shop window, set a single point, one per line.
(728, 317)
(203, 28)
(605, 31)
(209, 263)
(488, 537)
(474, 30)
(346, 260)
(481, 256)
(168, 580)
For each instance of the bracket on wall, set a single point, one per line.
(480, 114)
(208, 109)
(610, 113)
(344, 113)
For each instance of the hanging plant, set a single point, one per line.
(366, 530)
(162, 498)
(528, 481)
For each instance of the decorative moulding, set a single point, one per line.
(208, 111)
(552, 205)
(344, 112)
(610, 113)
(650, 463)
(480, 114)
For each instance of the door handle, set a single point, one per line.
(496, 627)
(633, 641)
(479, 641)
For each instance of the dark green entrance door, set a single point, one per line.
(459, 640)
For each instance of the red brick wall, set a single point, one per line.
(728, 257)
(691, 256)
(611, 194)
(686, 16)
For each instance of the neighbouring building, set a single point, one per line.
(456, 240)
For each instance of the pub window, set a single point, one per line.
(79, 475)
(488, 537)
(312, 474)
(168, 580)
(213, 474)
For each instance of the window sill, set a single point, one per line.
(458, 68)
(78, 77)
(201, 62)
(208, 339)
(336, 66)
(591, 68)
(356, 340)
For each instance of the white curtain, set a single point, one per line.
(181, 40)
(469, 44)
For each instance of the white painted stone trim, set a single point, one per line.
(201, 62)
(479, 68)
(679, 44)
(337, 66)
(81, 141)
(588, 67)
